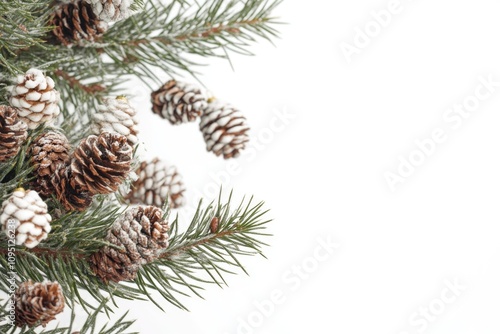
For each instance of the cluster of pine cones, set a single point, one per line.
(137, 237)
(224, 127)
(100, 163)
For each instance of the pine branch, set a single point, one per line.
(89, 327)
(165, 36)
(22, 26)
(178, 271)
(200, 255)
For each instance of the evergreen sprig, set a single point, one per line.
(166, 36)
(119, 326)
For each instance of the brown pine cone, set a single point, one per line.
(140, 234)
(101, 163)
(224, 129)
(155, 182)
(68, 192)
(48, 153)
(75, 22)
(13, 133)
(37, 302)
(178, 102)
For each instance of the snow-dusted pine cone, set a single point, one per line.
(116, 115)
(224, 129)
(101, 163)
(155, 182)
(69, 192)
(37, 302)
(35, 97)
(25, 214)
(178, 102)
(140, 233)
(110, 10)
(13, 133)
(48, 153)
(75, 22)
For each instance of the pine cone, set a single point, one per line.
(75, 22)
(36, 98)
(101, 163)
(111, 10)
(116, 115)
(25, 213)
(37, 302)
(140, 233)
(178, 102)
(155, 182)
(13, 133)
(48, 153)
(69, 192)
(224, 129)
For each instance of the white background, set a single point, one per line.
(322, 175)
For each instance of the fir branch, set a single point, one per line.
(200, 255)
(76, 83)
(165, 36)
(22, 26)
(193, 258)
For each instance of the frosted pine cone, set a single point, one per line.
(110, 10)
(116, 115)
(37, 302)
(13, 133)
(140, 233)
(35, 97)
(48, 153)
(157, 181)
(101, 163)
(25, 213)
(69, 192)
(178, 102)
(75, 22)
(224, 129)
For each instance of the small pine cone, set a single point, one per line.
(13, 133)
(48, 153)
(75, 22)
(178, 102)
(110, 10)
(37, 302)
(69, 192)
(140, 234)
(25, 214)
(36, 98)
(155, 182)
(116, 115)
(224, 129)
(101, 163)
